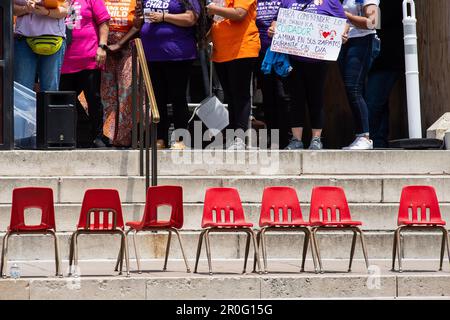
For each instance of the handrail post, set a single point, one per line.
(134, 98)
(154, 134)
(147, 143)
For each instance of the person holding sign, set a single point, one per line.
(169, 39)
(274, 94)
(307, 79)
(236, 47)
(116, 78)
(355, 60)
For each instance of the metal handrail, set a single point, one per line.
(147, 80)
(144, 95)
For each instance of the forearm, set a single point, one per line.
(130, 35)
(58, 13)
(103, 32)
(236, 14)
(368, 21)
(187, 19)
(357, 21)
(20, 10)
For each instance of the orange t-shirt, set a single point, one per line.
(236, 39)
(122, 14)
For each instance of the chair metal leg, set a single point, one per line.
(364, 247)
(4, 254)
(313, 251)
(442, 251)
(258, 241)
(399, 249)
(119, 263)
(447, 244)
(124, 250)
(75, 249)
(208, 251)
(136, 250)
(264, 249)
(167, 250)
(255, 247)
(247, 249)
(306, 241)
(188, 270)
(71, 255)
(316, 247)
(57, 259)
(394, 250)
(199, 248)
(352, 251)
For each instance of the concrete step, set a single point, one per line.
(97, 281)
(263, 162)
(334, 245)
(359, 188)
(375, 216)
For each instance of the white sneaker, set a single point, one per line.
(360, 143)
(238, 144)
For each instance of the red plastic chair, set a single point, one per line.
(101, 213)
(223, 212)
(156, 197)
(28, 198)
(329, 211)
(280, 211)
(419, 210)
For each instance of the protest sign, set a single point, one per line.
(308, 35)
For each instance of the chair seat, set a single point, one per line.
(101, 227)
(138, 225)
(228, 225)
(41, 227)
(421, 223)
(285, 224)
(336, 223)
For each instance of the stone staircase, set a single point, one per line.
(372, 180)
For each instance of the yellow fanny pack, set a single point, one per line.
(45, 45)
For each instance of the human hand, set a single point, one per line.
(156, 17)
(100, 57)
(271, 31)
(116, 47)
(211, 9)
(40, 10)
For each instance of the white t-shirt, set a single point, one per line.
(356, 7)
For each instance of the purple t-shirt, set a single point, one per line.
(331, 8)
(165, 41)
(266, 12)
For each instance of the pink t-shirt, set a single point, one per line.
(84, 18)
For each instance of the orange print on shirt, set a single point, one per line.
(122, 14)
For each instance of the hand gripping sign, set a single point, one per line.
(308, 35)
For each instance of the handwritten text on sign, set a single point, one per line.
(308, 35)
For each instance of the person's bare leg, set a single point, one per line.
(297, 133)
(316, 133)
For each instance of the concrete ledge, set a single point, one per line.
(423, 285)
(263, 162)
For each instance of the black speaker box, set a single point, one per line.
(56, 120)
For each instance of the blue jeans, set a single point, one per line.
(28, 64)
(355, 59)
(379, 87)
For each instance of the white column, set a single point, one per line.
(412, 69)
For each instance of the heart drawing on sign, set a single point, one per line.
(325, 34)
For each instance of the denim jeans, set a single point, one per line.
(28, 64)
(379, 87)
(355, 59)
